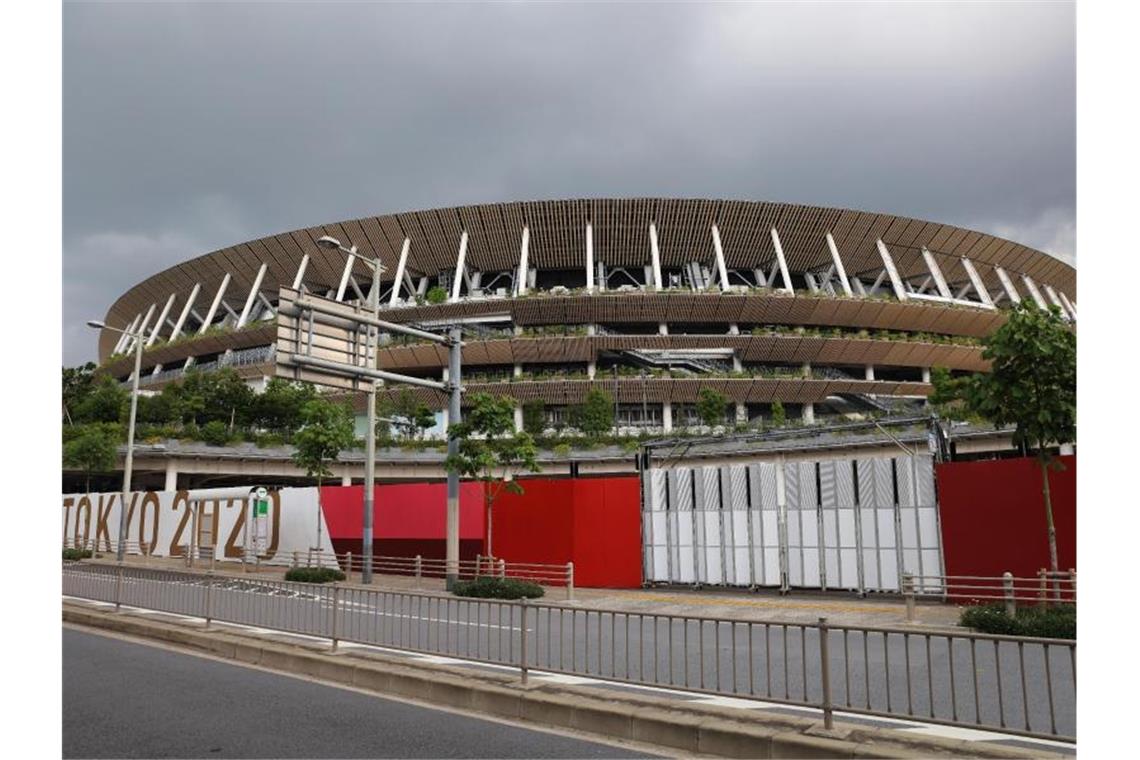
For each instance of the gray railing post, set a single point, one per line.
(1073, 583)
(348, 568)
(309, 558)
(209, 589)
(502, 568)
(419, 569)
(825, 674)
(1007, 592)
(478, 563)
(119, 587)
(296, 558)
(570, 581)
(523, 604)
(908, 595)
(335, 605)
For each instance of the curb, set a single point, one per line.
(697, 729)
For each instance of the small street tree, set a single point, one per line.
(711, 406)
(92, 450)
(327, 430)
(1032, 384)
(596, 414)
(779, 416)
(490, 450)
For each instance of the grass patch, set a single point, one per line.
(1053, 622)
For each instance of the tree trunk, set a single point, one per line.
(490, 552)
(318, 520)
(1044, 464)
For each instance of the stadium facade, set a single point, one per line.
(831, 312)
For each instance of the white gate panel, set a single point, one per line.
(741, 572)
(765, 518)
(683, 567)
(654, 519)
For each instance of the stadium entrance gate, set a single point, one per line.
(856, 524)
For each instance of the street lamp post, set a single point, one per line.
(332, 244)
(120, 551)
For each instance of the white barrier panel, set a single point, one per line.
(168, 521)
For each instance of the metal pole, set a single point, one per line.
(130, 460)
(570, 581)
(335, 604)
(370, 438)
(119, 587)
(209, 586)
(453, 417)
(522, 647)
(825, 674)
(419, 569)
(1007, 588)
(908, 595)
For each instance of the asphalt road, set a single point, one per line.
(774, 662)
(122, 699)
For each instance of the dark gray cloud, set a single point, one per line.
(191, 127)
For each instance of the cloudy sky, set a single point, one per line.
(191, 127)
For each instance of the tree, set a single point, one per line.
(436, 295)
(93, 450)
(1032, 384)
(278, 407)
(409, 416)
(534, 417)
(106, 402)
(711, 406)
(779, 416)
(595, 417)
(490, 450)
(327, 430)
(77, 385)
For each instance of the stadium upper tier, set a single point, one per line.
(657, 285)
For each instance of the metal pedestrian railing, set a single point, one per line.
(1017, 685)
(1047, 588)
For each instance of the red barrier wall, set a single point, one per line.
(402, 511)
(593, 522)
(993, 516)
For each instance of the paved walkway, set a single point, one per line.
(839, 607)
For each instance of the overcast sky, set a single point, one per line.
(192, 127)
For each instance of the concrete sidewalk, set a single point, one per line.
(839, 607)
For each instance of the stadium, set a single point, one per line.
(833, 313)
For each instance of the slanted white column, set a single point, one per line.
(301, 272)
(171, 476)
(926, 374)
(869, 372)
(160, 321)
(591, 368)
(782, 261)
(741, 413)
(142, 327)
(655, 256)
(1068, 304)
(349, 261)
(721, 268)
(126, 336)
(809, 413)
(253, 291)
(460, 264)
(524, 250)
(976, 281)
(518, 370)
(401, 265)
(936, 273)
(805, 370)
(838, 262)
(892, 272)
(1007, 285)
(589, 257)
(737, 365)
(667, 416)
(518, 418)
(1033, 291)
(214, 306)
(1057, 302)
(185, 311)
(734, 329)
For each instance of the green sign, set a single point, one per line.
(263, 506)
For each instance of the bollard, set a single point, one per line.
(309, 558)
(522, 646)
(419, 569)
(502, 568)
(335, 605)
(478, 563)
(348, 568)
(908, 595)
(296, 558)
(1042, 595)
(1007, 591)
(825, 674)
(209, 588)
(570, 581)
(1073, 583)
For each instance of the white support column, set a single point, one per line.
(667, 416)
(591, 368)
(589, 257)
(976, 281)
(936, 273)
(805, 370)
(1057, 302)
(869, 372)
(1007, 285)
(737, 365)
(1033, 291)
(655, 255)
(346, 476)
(782, 261)
(839, 270)
(1066, 449)
(517, 371)
(214, 306)
(400, 267)
(348, 263)
(518, 418)
(524, 251)
(142, 327)
(926, 374)
(809, 413)
(301, 272)
(1068, 304)
(662, 328)
(252, 298)
(460, 264)
(721, 268)
(125, 337)
(892, 272)
(171, 476)
(185, 311)
(741, 413)
(160, 321)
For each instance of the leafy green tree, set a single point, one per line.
(436, 295)
(779, 416)
(215, 433)
(107, 401)
(711, 406)
(490, 450)
(1032, 384)
(410, 417)
(595, 416)
(327, 430)
(92, 450)
(278, 407)
(77, 385)
(534, 417)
